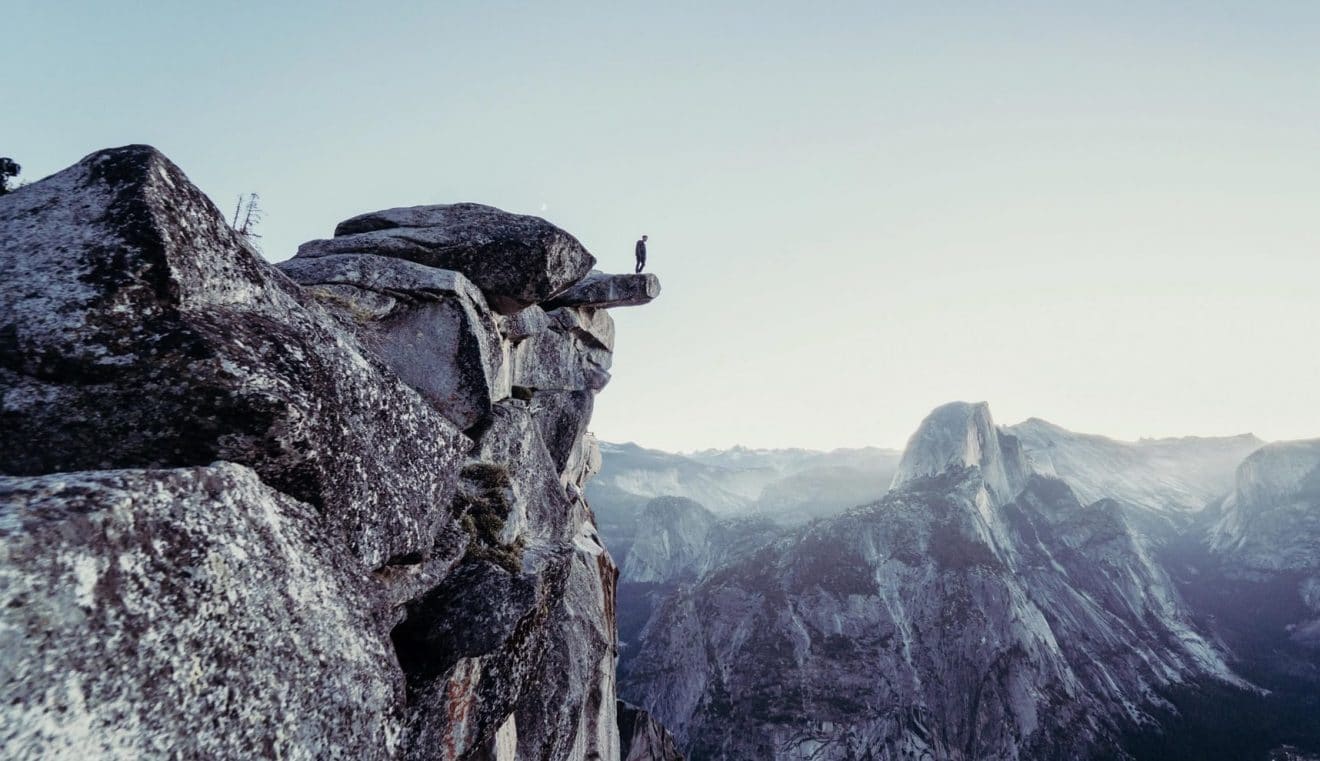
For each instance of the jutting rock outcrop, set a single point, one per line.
(326, 509)
(516, 260)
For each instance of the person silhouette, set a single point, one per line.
(641, 254)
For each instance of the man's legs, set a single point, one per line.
(641, 262)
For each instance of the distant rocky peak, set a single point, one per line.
(961, 435)
(1285, 470)
(1272, 516)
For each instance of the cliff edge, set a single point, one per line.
(330, 508)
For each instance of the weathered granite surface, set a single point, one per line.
(327, 510)
(977, 611)
(516, 260)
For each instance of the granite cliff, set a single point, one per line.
(330, 508)
(979, 610)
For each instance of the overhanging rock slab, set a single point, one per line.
(604, 291)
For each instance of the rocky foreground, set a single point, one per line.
(330, 508)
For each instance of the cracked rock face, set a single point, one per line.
(301, 512)
(138, 331)
(431, 326)
(516, 260)
(599, 289)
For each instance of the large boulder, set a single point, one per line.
(562, 417)
(516, 260)
(184, 613)
(138, 330)
(431, 326)
(471, 648)
(601, 290)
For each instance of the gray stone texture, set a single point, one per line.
(299, 512)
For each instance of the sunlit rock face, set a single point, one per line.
(1268, 528)
(678, 540)
(329, 509)
(1171, 477)
(977, 611)
(1271, 519)
(964, 435)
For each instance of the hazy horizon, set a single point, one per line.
(1104, 218)
(900, 446)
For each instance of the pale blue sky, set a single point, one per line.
(1104, 214)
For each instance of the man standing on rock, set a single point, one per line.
(641, 254)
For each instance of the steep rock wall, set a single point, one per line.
(327, 510)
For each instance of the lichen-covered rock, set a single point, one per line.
(642, 738)
(516, 260)
(539, 507)
(431, 326)
(186, 613)
(601, 290)
(328, 566)
(137, 330)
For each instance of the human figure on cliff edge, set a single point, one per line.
(641, 254)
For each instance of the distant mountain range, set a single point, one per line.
(993, 592)
(784, 486)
